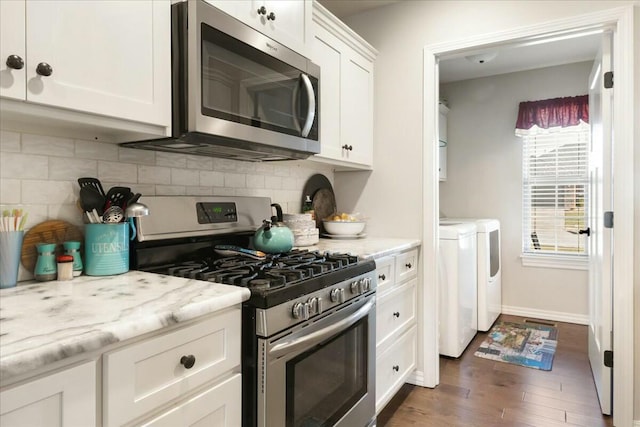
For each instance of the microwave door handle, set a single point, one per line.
(311, 109)
(294, 104)
(317, 337)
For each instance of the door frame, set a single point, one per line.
(621, 20)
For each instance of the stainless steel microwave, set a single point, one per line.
(236, 92)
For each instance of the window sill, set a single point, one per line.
(568, 262)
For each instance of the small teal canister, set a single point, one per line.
(106, 249)
(73, 248)
(46, 268)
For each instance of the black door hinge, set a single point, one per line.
(608, 80)
(608, 358)
(608, 219)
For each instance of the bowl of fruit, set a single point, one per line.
(344, 224)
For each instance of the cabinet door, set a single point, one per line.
(326, 53)
(66, 398)
(152, 372)
(406, 265)
(393, 367)
(12, 30)
(107, 57)
(357, 109)
(219, 406)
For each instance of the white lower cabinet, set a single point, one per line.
(393, 367)
(218, 406)
(396, 325)
(66, 398)
(143, 377)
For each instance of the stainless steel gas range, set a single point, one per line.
(308, 329)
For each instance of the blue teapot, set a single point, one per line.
(273, 237)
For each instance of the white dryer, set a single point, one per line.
(489, 269)
(458, 321)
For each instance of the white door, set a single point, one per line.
(600, 241)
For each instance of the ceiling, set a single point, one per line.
(509, 59)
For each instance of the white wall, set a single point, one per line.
(39, 174)
(400, 32)
(484, 177)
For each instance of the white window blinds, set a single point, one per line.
(555, 190)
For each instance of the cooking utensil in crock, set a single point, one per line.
(113, 214)
(91, 182)
(273, 237)
(91, 199)
(133, 211)
(117, 196)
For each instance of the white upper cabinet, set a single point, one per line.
(108, 58)
(346, 92)
(12, 49)
(287, 22)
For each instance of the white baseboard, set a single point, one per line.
(580, 319)
(416, 378)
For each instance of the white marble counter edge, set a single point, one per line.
(94, 340)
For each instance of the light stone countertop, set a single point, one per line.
(369, 247)
(46, 322)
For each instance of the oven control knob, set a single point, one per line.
(356, 289)
(337, 295)
(300, 310)
(313, 306)
(366, 283)
(362, 285)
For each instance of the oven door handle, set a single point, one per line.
(311, 109)
(317, 337)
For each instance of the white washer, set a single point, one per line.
(489, 269)
(458, 287)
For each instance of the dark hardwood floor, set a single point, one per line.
(480, 393)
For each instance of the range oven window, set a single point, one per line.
(325, 382)
(243, 84)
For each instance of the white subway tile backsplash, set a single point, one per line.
(224, 191)
(198, 162)
(154, 175)
(255, 181)
(171, 160)
(117, 172)
(139, 157)
(199, 191)
(49, 192)
(47, 145)
(211, 179)
(9, 141)
(39, 174)
(61, 169)
(185, 177)
(9, 191)
(273, 182)
(24, 166)
(170, 190)
(235, 180)
(96, 150)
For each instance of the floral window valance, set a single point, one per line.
(564, 112)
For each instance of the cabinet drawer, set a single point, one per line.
(65, 398)
(148, 374)
(394, 312)
(219, 406)
(393, 367)
(406, 265)
(385, 273)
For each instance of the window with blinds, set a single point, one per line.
(555, 191)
